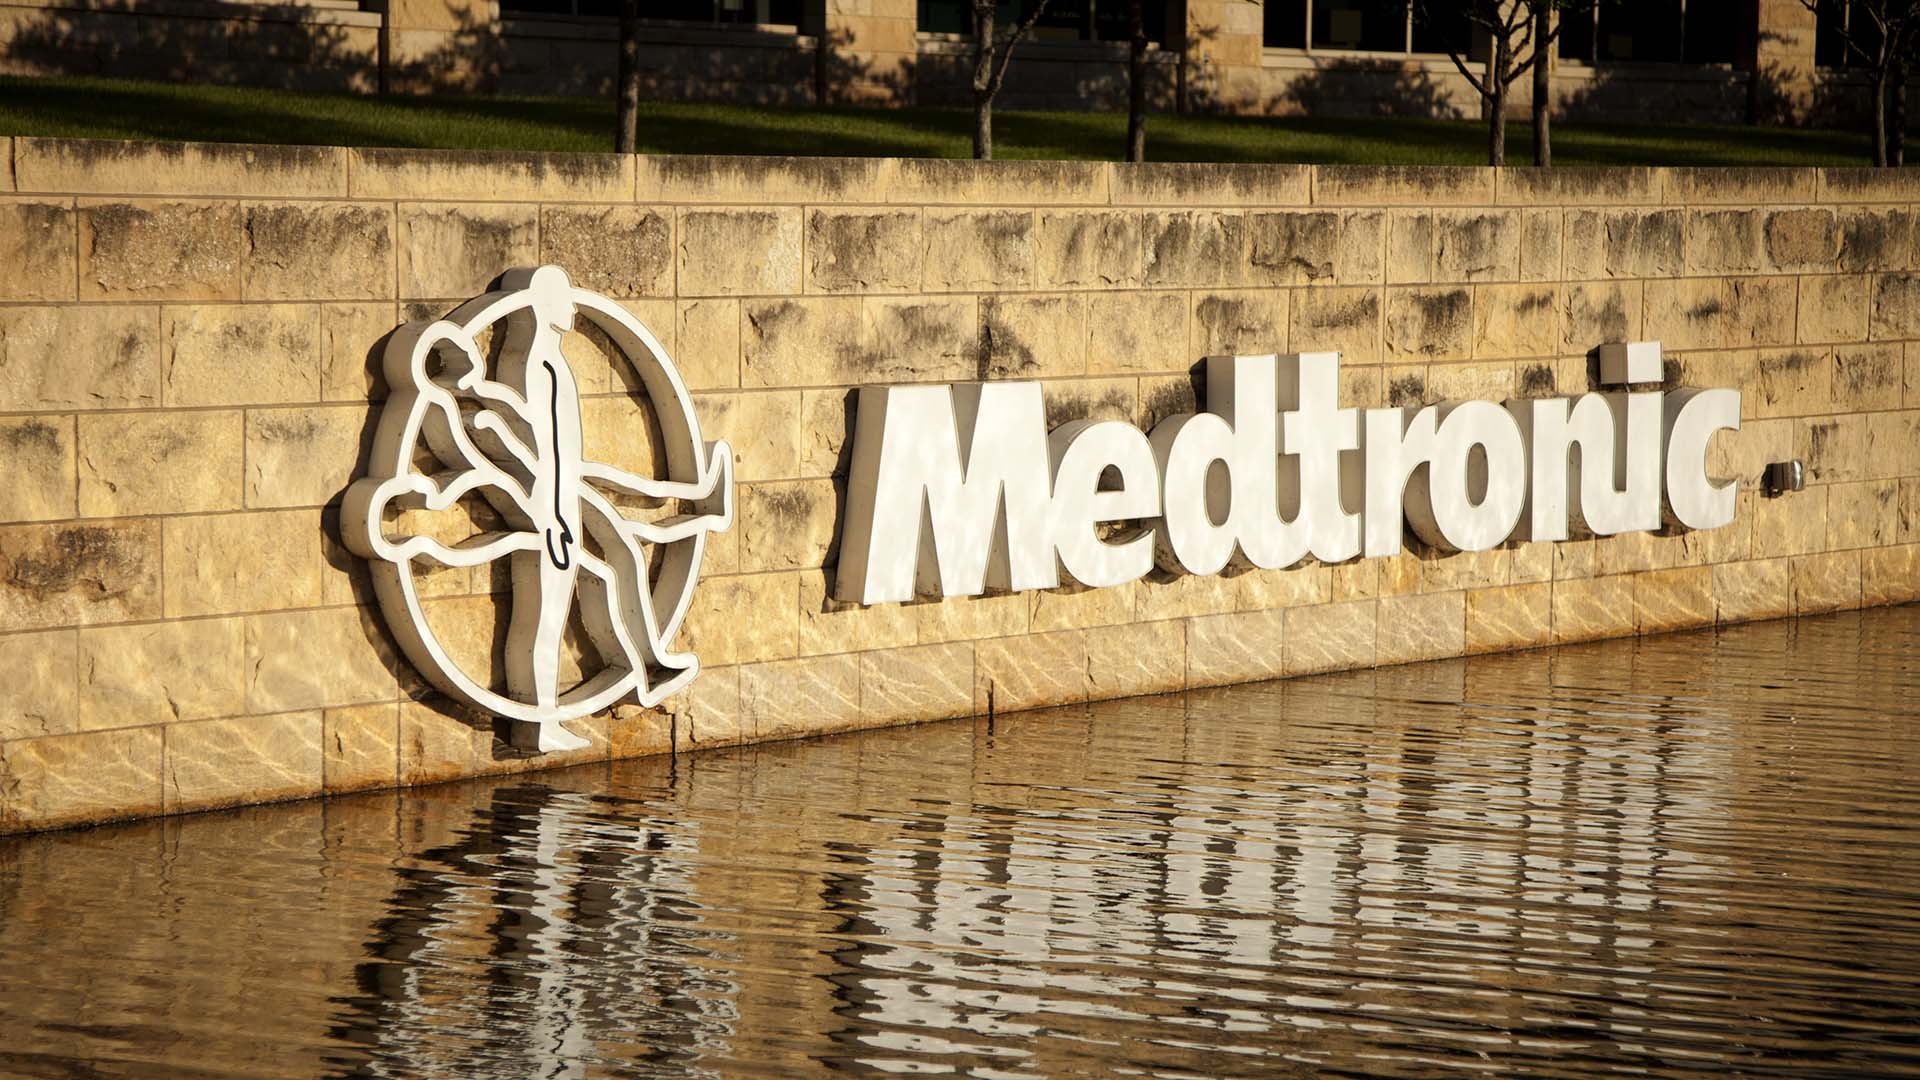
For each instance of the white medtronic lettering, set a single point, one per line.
(957, 489)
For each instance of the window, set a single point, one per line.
(1380, 26)
(1285, 24)
(1838, 20)
(1064, 20)
(1359, 24)
(1655, 31)
(710, 12)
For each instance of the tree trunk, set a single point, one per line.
(983, 80)
(1497, 103)
(1897, 119)
(1542, 85)
(626, 138)
(1137, 84)
(1880, 85)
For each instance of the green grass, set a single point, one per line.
(121, 109)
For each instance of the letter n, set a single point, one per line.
(947, 494)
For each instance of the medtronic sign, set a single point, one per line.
(958, 489)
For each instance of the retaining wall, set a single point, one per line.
(189, 343)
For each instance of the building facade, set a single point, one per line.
(1727, 61)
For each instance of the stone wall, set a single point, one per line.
(189, 338)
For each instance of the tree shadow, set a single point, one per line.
(1361, 87)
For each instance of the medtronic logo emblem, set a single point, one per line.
(483, 427)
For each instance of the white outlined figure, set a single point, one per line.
(514, 439)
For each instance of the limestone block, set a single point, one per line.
(1434, 323)
(1727, 313)
(1876, 239)
(1477, 245)
(1194, 248)
(787, 525)
(1587, 609)
(764, 430)
(179, 168)
(1258, 590)
(1896, 307)
(1862, 514)
(1890, 575)
(1073, 607)
(1867, 378)
(318, 251)
(829, 626)
(305, 457)
(79, 357)
(744, 618)
(1855, 184)
(1583, 244)
(1356, 580)
(790, 698)
(979, 250)
(933, 181)
(1892, 446)
(1726, 241)
(1329, 637)
(1401, 185)
(241, 354)
(1033, 337)
(1794, 524)
(916, 339)
(159, 463)
(1642, 243)
(1749, 591)
(1833, 308)
(1745, 454)
(1346, 321)
(353, 339)
(1599, 313)
(864, 251)
(1244, 646)
(1088, 249)
(613, 250)
(1410, 242)
(360, 747)
(729, 178)
(1803, 239)
(1529, 561)
(1635, 552)
(1540, 245)
(1509, 617)
(544, 176)
(322, 657)
(40, 463)
(41, 696)
(1293, 248)
(1430, 626)
(1826, 582)
(1665, 600)
(1164, 183)
(1136, 658)
(160, 673)
(78, 575)
(78, 778)
(1031, 672)
(707, 343)
(826, 424)
(1835, 449)
(1362, 257)
(1137, 332)
(247, 759)
(1909, 509)
(1515, 320)
(1250, 322)
(160, 250)
(1749, 186)
(456, 251)
(440, 742)
(925, 682)
(1446, 571)
(635, 732)
(37, 248)
(1790, 382)
(813, 341)
(1572, 186)
(966, 618)
(257, 561)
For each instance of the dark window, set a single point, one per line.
(1369, 25)
(1442, 33)
(1643, 31)
(1064, 20)
(778, 12)
(1712, 28)
(1838, 21)
(1285, 24)
(1576, 36)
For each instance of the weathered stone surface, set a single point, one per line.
(1194, 248)
(1418, 185)
(707, 343)
(1515, 320)
(1297, 248)
(1633, 552)
(160, 673)
(787, 525)
(971, 617)
(1833, 308)
(1033, 337)
(159, 463)
(318, 251)
(1789, 382)
(77, 575)
(931, 181)
(1673, 600)
(1409, 248)
(1890, 575)
(764, 430)
(1136, 658)
(1509, 617)
(1880, 239)
(1794, 524)
(1030, 672)
(1834, 449)
(179, 168)
(734, 252)
(983, 249)
(1072, 607)
(1802, 239)
(1590, 608)
(1709, 313)
(910, 339)
(1748, 186)
(1259, 590)
(1896, 307)
(613, 250)
(1426, 627)
(353, 339)
(1329, 637)
(927, 682)
(814, 341)
(744, 618)
(1612, 185)
(1636, 243)
(1244, 646)
(1088, 249)
(1163, 183)
(1748, 591)
(1250, 322)
(405, 173)
(864, 251)
(1725, 242)
(1446, 571)
(1540, 245)
(1600, 312)
(37, 248)
(242, 354)
(305, 457)
(1826, 582)
(160, 250)
(1137, 332)
(439, 742)
(77, 778)
(829, 626)
(1342, 320)
(360, 747)
(41, 698)
(254, 561)
(1477, 246)
(79, 357)
(245, 759)
(322, 657)
(789, 698)
(1436, 323)
(1862, 514)
(1867, 378)
(456, 251)
(40, 461)
(741, 179)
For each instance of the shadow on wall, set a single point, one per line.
(1367, 88)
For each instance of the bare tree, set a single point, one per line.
(1542, 84)
(991, 56)
(1885, 44)
(1520, 36)
(626, 139)
(1136, 81)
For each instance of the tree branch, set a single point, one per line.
(1005, 58)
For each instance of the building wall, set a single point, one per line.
(189, 343)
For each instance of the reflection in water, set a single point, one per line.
(1675, 855)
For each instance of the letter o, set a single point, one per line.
(1441, 508)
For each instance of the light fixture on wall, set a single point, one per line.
(1784, 476)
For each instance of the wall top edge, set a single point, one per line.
(132, 167)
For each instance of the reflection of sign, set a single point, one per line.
(582, 563)
(958, 489)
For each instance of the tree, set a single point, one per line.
(626, 138)
(1520, 37)
(1136, 81)
(1885, 44)
(991, 57)
(1542, 84)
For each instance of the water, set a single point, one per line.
(1679, 855)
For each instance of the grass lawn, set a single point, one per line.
(121, 109)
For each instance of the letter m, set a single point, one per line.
(948, 493)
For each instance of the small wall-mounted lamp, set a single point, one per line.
(1784, 476)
